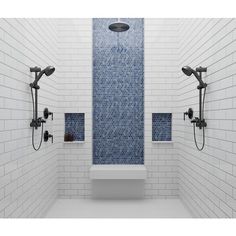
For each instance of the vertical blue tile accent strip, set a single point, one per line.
(118, 93)
(74, 125)
(161, 127)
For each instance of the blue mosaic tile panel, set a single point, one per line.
(118, 93)
(161, 127)
(74, 127)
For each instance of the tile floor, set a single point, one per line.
(88, 208)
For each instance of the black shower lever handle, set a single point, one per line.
(185, 113)
(50, 136)
(51, 114)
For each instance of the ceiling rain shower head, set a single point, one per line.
(118, 26)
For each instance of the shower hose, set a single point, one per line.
(203, 128)
(41, 139)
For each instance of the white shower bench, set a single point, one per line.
(118, 181)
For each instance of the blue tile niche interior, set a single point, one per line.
(74, 125)
(118, 93)
(161, 127)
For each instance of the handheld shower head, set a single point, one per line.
(187, 70)
(47, 71)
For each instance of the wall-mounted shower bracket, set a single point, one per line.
(36, 70)
(35, 86)
(201, 86)
(200, 70)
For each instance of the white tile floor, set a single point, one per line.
(88, 208)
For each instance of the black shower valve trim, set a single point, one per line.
(47, 113)
(47, 135)
(189, 113)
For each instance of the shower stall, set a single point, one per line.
(112, 98)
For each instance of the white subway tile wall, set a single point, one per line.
(160, 60)
(208, 178)
(205, 181)
(28, 179)
(75, 89)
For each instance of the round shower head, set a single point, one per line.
(49, 70)
(119, 26)
(187, 70)
(197, 73)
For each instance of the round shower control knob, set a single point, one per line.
(46, 136)
(189, 113)
(47, 113)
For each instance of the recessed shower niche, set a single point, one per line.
(162, 127)
(74, 127)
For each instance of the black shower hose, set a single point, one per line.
(41, 139)
(203, 128)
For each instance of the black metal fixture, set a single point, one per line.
(47, 71)
(198, 121)
(118, 26)
(189, 113)
(37, 121)
(47, 135)
(47, 113)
